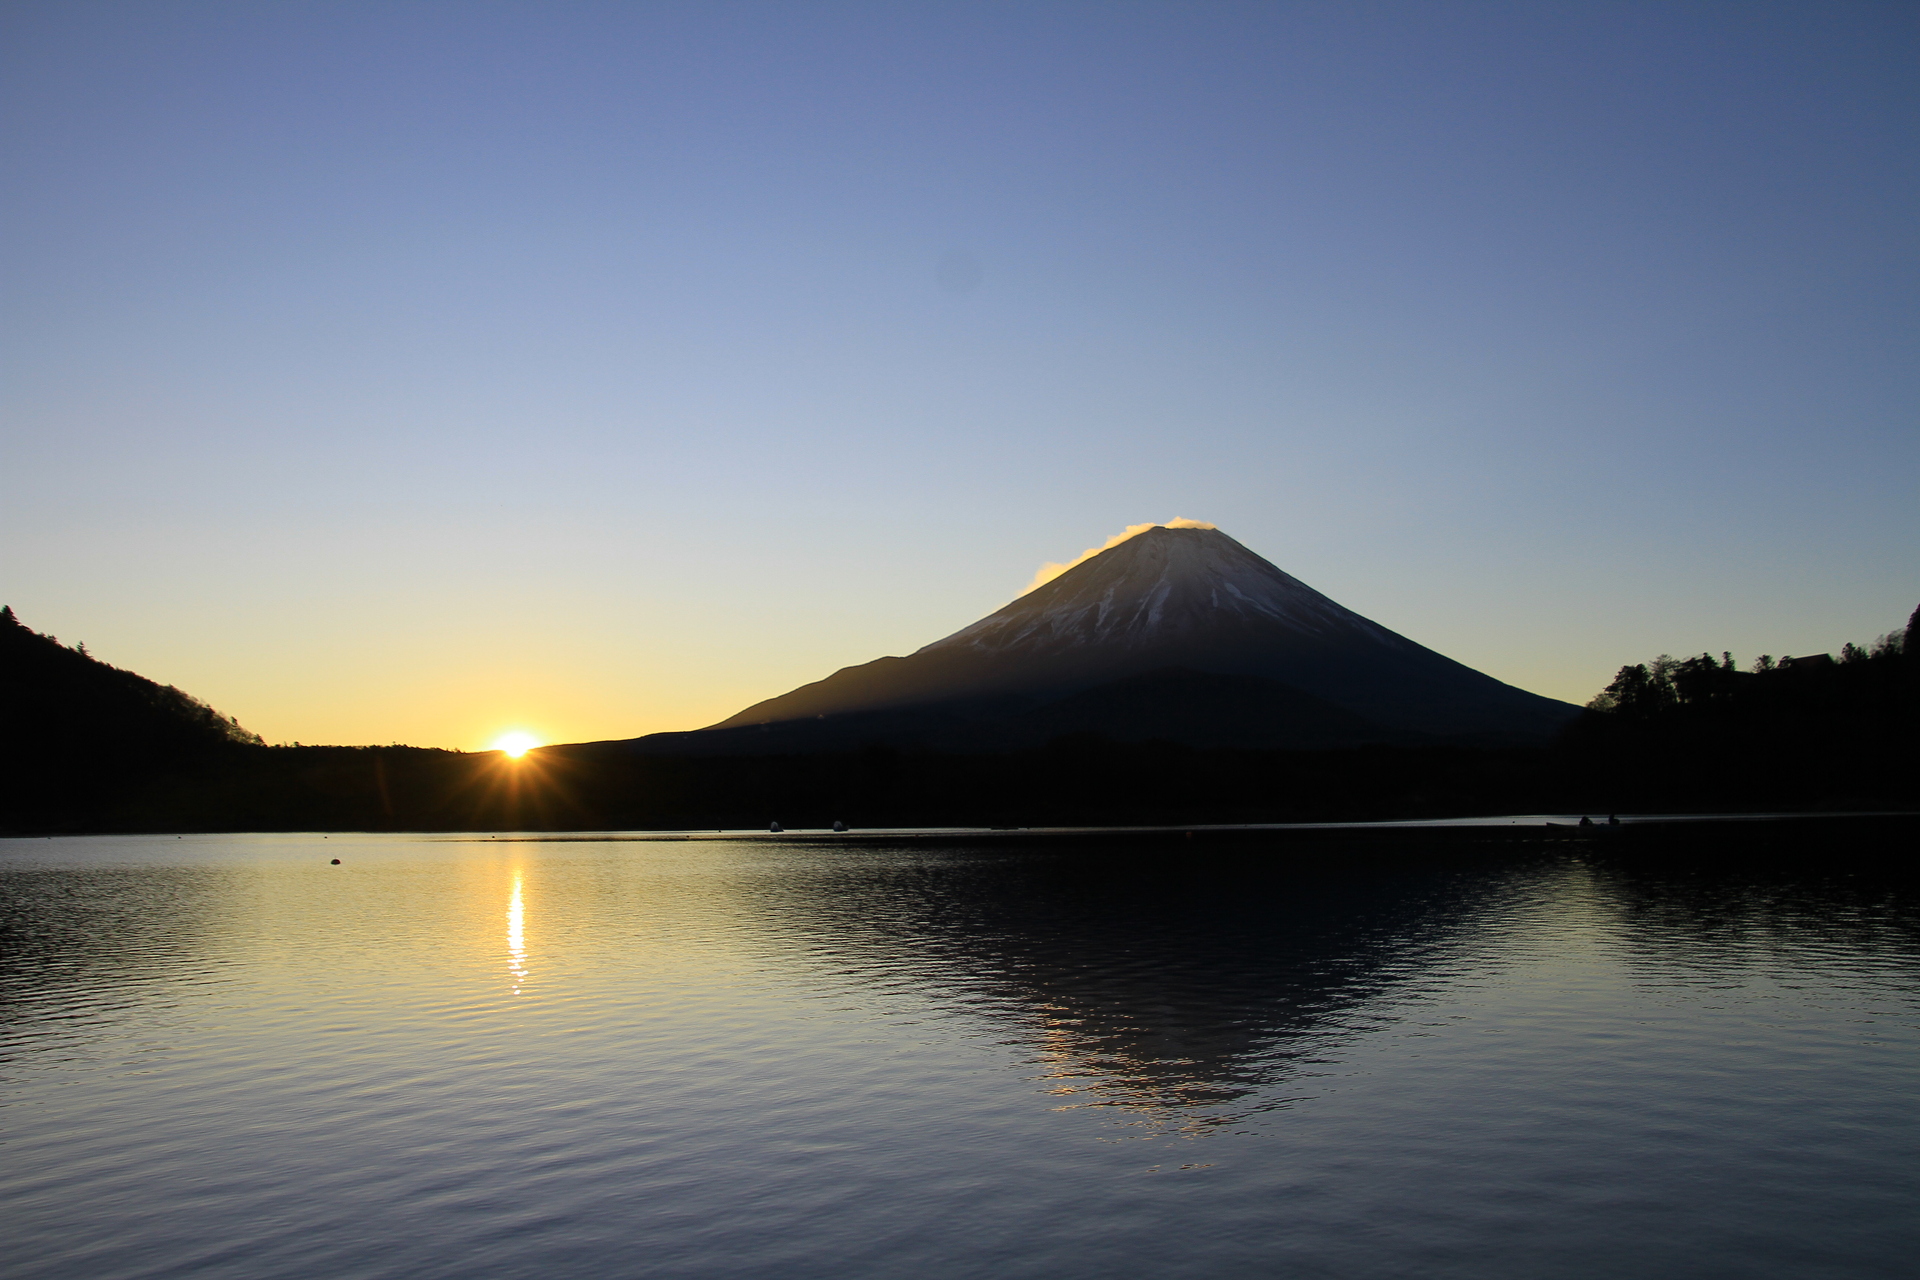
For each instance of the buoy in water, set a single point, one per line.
(774, 826)
(839, 826)
(336, 862)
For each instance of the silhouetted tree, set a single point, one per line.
(1702, 680)
(1640, 690)
(1699, 732)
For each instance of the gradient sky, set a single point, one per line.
(414, 371)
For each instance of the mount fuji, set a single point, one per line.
(1177, 633)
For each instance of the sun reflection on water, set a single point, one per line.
(516, 936)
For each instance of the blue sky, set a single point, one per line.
(416, 371)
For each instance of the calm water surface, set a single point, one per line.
(224, 1057)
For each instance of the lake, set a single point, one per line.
(475, 1056)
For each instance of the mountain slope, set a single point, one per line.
(1170, 598)
(55, 699)
(82, 737)
(1198, 708)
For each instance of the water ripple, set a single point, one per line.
(226, 1057)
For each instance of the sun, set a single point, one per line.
(515, 744)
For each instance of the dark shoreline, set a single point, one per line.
(1077, 784)
(1743, 833)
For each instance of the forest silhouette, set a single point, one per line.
(92, 748)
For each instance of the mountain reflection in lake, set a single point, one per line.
(1174, 987)
(224, 1056)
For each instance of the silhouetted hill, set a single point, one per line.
(62, 697)
(80, 733)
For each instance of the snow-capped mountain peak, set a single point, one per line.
(1179, 607)
(1159, 586)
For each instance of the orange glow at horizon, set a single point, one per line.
(515, 744)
